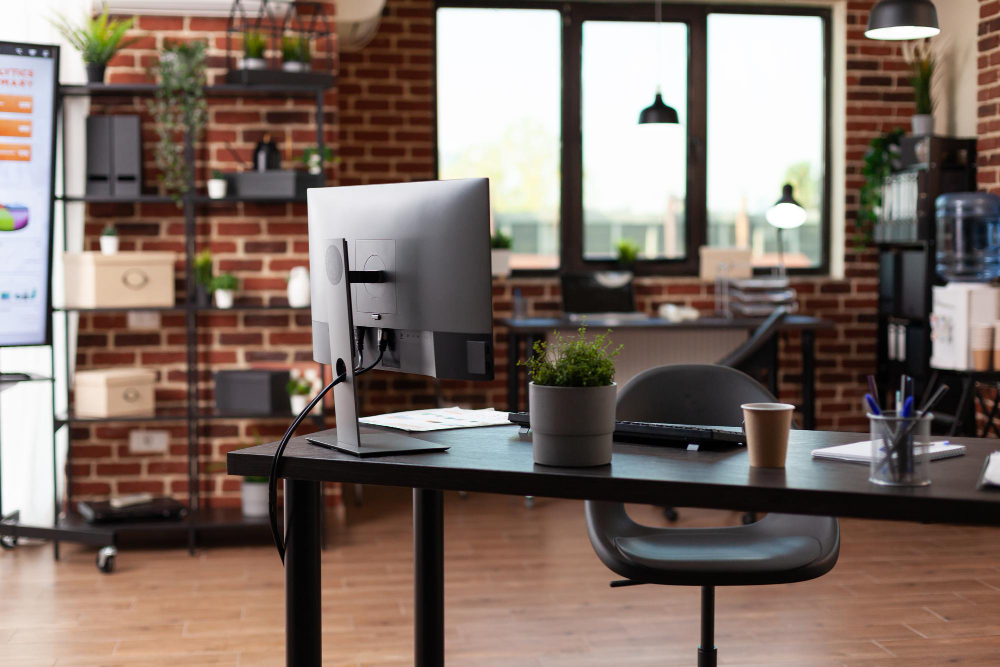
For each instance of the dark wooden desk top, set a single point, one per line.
(535, 324)
(498, 460)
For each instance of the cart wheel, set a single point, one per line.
(106, 559)
(8, 541)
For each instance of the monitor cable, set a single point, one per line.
(272, 480)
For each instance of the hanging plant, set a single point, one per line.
(180, 112)
(881, 160)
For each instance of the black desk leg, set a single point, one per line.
(303, 622)
(428, 578)
(809, 380)
(513, 350)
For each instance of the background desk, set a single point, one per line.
(498, 460)
(529, 330)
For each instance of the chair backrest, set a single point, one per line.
(690, 394)
(757, 340)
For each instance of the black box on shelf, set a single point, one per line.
(278, 77)
(274, 183)
(251, 393)
(114, 156)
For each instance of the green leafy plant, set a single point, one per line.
(180, 110)
(923, 64)
(298, 387)
(574, 362)
(226, 281)
(881, 159)
(309, 153)
(217, 175)
(295, 49)
(254, 44)
(628, 252)
(99, 38)
(203, 268)
(501, 241)
(109, 230)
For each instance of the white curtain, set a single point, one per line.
(26, 449)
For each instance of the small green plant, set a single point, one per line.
(923, 65)
(226, 281)
(881, 159)
(109, 230)
(295, 49)
(255, 479)
(298, 387)
(217, 175)
(310, 155)
(501, 241)
(99, 38)
(628, 252)
(574, 362)
(254, 44)
(203, 268)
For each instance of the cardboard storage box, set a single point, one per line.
(125, 279)
(115, 392)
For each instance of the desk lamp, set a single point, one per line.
(785, 214)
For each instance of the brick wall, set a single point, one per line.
(988, 131)
(383, 125)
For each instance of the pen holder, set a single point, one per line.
(900, 450)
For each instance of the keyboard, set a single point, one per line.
(664, 435)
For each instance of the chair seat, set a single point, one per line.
(725, 550)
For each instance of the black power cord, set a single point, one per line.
(272, 481)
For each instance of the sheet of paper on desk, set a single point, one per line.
(438, 419)
(991, 471)
(861, 452)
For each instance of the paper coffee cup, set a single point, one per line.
(767, 426)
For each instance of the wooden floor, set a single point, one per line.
(523, 588)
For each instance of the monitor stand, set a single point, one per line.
(339, 311)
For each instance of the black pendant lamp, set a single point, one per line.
(658, 111)
(902, 19)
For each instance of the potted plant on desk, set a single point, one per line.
(500, 245)
(224, 289)
(571, 400)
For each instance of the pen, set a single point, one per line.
(873, 390)
(908, 407)
(899, 403)
(873, 405)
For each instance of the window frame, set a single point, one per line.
(571, 224)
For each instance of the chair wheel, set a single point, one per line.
(8, 541)
(748, 518)
(671, 514)
(106, 559)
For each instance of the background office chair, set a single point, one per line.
(778, 549)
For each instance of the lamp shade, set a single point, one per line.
(902, 19)
(658, 112)
(786, 212)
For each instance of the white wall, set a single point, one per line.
(956, 86)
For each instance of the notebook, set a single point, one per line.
(861, 452)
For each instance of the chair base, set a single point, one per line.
(708, 658)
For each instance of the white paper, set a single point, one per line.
(991, 475)
(438, 419)
(861, 452)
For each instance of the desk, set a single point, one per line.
(498, 460)
(531, 329)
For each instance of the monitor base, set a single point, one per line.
(378, 444)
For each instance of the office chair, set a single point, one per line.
(778, 549)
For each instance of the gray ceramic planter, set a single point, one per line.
(572, 426)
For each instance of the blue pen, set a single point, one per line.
(873, 405)
(908, 408)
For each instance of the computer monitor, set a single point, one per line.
(430, 244)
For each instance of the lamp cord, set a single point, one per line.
(659, 49)
(272, 480)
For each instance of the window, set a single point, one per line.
(499, 116)
(544, 100)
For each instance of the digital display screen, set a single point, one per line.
(28, 77)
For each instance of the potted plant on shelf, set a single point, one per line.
(311, 159)
(109, 240)
(224, 288)
(295, 53)
(299, 290)
(97, 40)
(299, 392)
(923, 64)
(628, 253)
(253, 496)
(217, 185)
(500, 245)
(203, 278)
(571, 400)
(254, 48)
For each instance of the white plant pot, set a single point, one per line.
(217, 188)
(572, 426)
(109, 245)
(253, 499)
(224, 298)
(500, 259)
(254, 63)
(299, 402)
(294, 66)
(922, 125)
(298, 287)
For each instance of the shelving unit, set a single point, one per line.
(69, 526)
